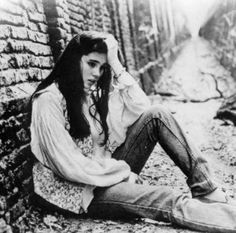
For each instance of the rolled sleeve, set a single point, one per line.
(126, 103)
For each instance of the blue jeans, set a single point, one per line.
(159, 202)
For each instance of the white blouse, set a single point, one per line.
(54, 147)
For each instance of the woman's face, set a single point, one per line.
(92, 67)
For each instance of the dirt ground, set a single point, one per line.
(216, 139)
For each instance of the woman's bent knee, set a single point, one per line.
(157, 111)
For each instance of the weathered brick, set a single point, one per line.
(22, 75)
(33, 26)
(14, 76)
(14, 99)
(3, 61)
(34, 74)
(74, 29)
(74, 23)
(21, 60)
(38, 37)
(37, 17)
(82, 11)
(60, 12)
(13, 63)
(29, 5)
(67, 18)
(10, 7)
(41, 38)
(39, 6)
(74, 8)
(14, 46)
(7, 77)
(7, 18)
(37, 49)
(4, 31)
(74, 2)
(3, 45)
(18, 32)
(42, 27)
(46, 62)
(77, 17)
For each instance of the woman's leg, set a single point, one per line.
(158, 125)
(162, 203)
(125, 200)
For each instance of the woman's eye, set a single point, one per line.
(92, 64)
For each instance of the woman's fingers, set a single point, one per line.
(112, 48)
(111, 42)
(134, 178)
(139, 180)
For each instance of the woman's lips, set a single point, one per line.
(91, 81)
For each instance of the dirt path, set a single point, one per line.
(191, 78)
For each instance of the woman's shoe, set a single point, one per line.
(218, 196)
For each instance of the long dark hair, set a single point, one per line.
(67, 74)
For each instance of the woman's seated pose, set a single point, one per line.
(93, 129)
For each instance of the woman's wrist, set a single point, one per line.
(117, 68)
(117, 75)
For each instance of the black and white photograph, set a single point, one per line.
(117, 116)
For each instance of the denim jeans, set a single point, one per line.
(160, 202)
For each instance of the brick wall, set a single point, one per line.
(33, 33)
(220, 30)
(25, 59)
(159, 35)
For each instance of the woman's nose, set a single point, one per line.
(96, 72)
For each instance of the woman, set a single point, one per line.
(92, 131)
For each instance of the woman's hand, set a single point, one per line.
(112, 54)
(112, 49)
(134, 179)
